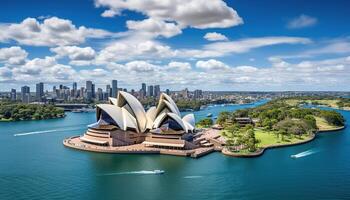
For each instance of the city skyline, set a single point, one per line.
(235, 47)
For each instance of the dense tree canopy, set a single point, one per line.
(19, 111)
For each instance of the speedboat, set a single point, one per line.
(157, 171)
(293, 156)
(209, 115)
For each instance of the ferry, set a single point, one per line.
(157, 171)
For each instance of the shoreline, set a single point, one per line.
(261, 151)
(74, 143)
(23, 120)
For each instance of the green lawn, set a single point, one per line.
(322, 124)
(268, 138)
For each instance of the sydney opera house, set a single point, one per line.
(124, 122)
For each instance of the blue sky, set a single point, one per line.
(211, 45)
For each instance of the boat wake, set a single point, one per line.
(305, 153)
(192, 177)
(142, 172)
(47, 131)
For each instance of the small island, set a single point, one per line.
(277, 123)
(19, 111)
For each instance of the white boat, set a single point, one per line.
(293, 156)
(157, 171)
(209, 115)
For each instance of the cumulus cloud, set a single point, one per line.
(52, 31)
(154, 27)
(78, 56)
(212, 64)
(181, 66)
(140, 66)
(199, 14)
(214, 36)
(13, 55)
(302, 21)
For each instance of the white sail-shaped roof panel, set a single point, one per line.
(129, 120)
(151, 115)
(160, 119)
(113, 111)
(137, 108)
(113, 101)
(189, 118)
(171, 101)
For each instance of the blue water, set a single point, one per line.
(35, 165)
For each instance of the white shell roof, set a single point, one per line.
(137, 108)
(128, 112)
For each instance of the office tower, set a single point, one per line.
(114, 88)
(150, 91)
(156, 92)
(108, 90)
(88, 90)
(167, 91)
(25, 94)
(197, 94)
(13, 96)
(93, 94)
(185, 93)
(39, 91)
(75, 89)
(143, 88)
(99, 94)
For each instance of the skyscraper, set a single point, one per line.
(114, 88)
(156, 92)
(25, 94)
(150, 91)
(108, 90)
(88, 90)
(75, 89)
(93, 93)
(39, 91)
(143, 88)
(13, 95)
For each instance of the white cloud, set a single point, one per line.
(302, 21)
(247, 44)
(214, 36)
(78, 56)
(13, 55)
(140, 66)
(51, 32)
(181, 66)
(193, 13)
(154, 27)
(212, 64)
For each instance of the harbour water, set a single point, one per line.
(35, 165)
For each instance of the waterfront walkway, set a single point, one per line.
(76, 143)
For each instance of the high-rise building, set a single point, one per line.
(167, 91)
(150, 91)
(93, 94)
(144, 88)
(89, 90)
(25, 94)
(108, 90)
(185, 93)
(197, 94)
(156, 92)
(99, 94)
(75, 89)
(114, 88)
(39, 91)
(13, 96)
